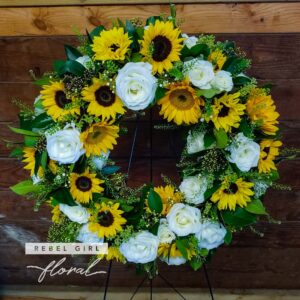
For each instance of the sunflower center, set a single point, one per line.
(83, 183)
(224, 111)
(114, 47)
(61, 99)
(232, 189)
(96, 136)
(182, 99)
(104, 96)
(105, 218)
(161, 48)
(267, 150)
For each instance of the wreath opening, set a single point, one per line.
(231, 143)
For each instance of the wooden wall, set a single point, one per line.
(32, 37)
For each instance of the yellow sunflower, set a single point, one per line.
(217, 58)
(82, 186)
(100, 137)
(227, 111)
(161, 45)
(231, 194)
(54, 100)
(103, 100)
(262, 110)
(170, 250)
(107, 220)
(168, 196)
(29, 159)
(113, 254)
(181, 104)
(269, 149)
(111, 44)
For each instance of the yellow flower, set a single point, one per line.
(29, 159)
(111, 44)
(227, 111)
(168, 196)
(170, 250)
(218, 59)
(269, 149)
(231, 194)
(53, 166)
(107, 220)
(161, 45)
(82, 186)
(113, 254)
(54, 101)
(262, 110)
(103, 100)
(98, 138)
(56, 215)
(181, 104)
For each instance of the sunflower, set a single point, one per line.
(181, 104)
(29, 159)
(168, 197)
(231, 194)
(227, 111)
(100, 137)
(217, 58)
(262, 110)
(161, 45)
(171, 251)
(55, 100)
(106, 220)
(82, 186)
(113, 254)
(103, 100)
(269, 149)
(111, 44)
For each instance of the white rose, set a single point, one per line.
(195, 142)
(193, 189)
(136, 85)
(184, 219)
(76, 213)
(174, 261)
(164, 234)
(200, 73)
(64, 145)
(222, 81)
(190, 41)
(141, 248)
(100, 161)
(87, 236)
(85, 61)
(244, 152)
(211, 235)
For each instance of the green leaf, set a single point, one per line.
(42, 81)
(17, 152)
(72, 53)
(238, 218)
(256, 207)
(152, 20)
(176, 73)
(23, 131)
(57, 65)
(129, 28)
(209, 139)
(30, 141)
(44, 158)
(154, 201)
(71, 66)
(96, 31)
(274, 175)
(196, 263)
(228, 237)
(200, 49)
(108, 170)
(208, 193)
(62, 195)
(182, 246)
(245, 128)
(25, 187)
(140, 32)
(221, 138)
(207, 93)
(154, 229)
(42, 121)
(136, 57)
(159, 93)
(233, 64)
(38, 161)
(204, 252)
(241, 80)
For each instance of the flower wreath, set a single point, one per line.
(229, 160)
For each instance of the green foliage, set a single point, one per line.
(236, 65)
(72, 53)
(25, 187)
(238, 218)
(221, 138)
(256, 207)
(154, 201)
(62, 195)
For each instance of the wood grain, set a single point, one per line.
(256, 17)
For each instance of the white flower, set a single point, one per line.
(200, 73)
(64, 145)
(76, 213)
(244, 152)
(164, 234)
(190, 41)
(36, 179)
(136, 85)
(87, 236)
(195, 142)
(38, 107)
(211, 235)
(141, 248)
(86, 61)
(184, 219)
(193, 189)
(222, 81)
(100, 161)
(260, 188)
(174, 261)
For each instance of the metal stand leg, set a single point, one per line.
(107, 279)
(208, 282)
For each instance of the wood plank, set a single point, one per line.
(248, 17)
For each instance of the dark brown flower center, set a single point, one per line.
(61, 99)
(114, 47)
(162, 48)
(182, 99)
(267, 150)
(224, 111)
(105, 218)
(232, 189)
(104, 96)
(84, 183)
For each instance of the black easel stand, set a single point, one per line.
(159, 275)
